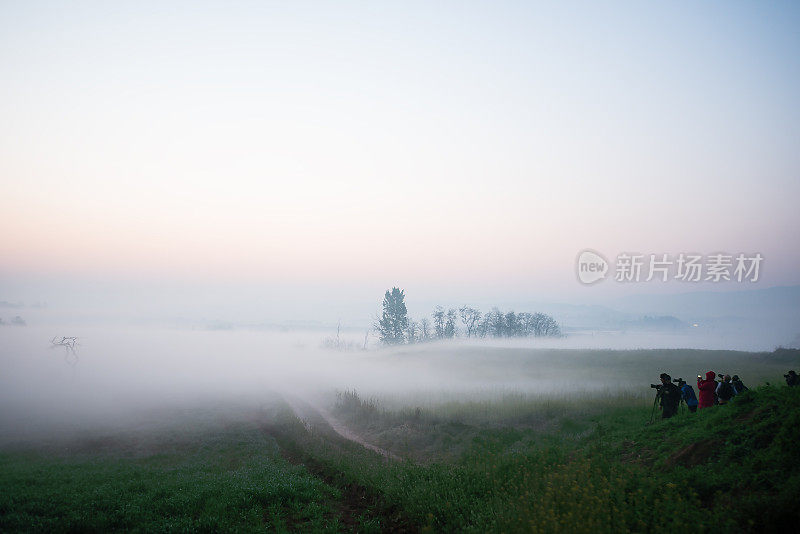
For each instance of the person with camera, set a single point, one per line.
(792, 379)
(706, 390)
(725, 391)
(687, 395)
(670, 396)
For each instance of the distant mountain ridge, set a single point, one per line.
(773, 301)
(771, 315)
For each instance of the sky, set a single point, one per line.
(278, 157)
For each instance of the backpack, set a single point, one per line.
(687, 394)
(726, 391)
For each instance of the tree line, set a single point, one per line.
(395, 327)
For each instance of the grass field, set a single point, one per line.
(226, 477)
(500, 461)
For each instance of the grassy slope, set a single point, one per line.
(740, 460)
(734, 466)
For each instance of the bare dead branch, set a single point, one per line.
(69, 343)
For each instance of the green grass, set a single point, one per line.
(506, 462)
(740, 459)
(603, 470)
(233, 480)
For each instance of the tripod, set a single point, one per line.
(655, 403)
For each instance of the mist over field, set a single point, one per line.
(122, 372)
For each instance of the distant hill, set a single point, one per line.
(758, 319)
(781, 301)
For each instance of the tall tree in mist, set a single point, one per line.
(545, 326)
(526, 323)
(393, 324)
(512, 325)
(496, 322)
(412, 331)
(424, 329)
(471, 318)
(438, 322)
(450, 328)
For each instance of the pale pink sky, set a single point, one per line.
(454, 150)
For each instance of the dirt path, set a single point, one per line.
(310, 414)
(357, 502)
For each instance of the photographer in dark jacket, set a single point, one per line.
(792, 378)
(670, 396)
(725, 391)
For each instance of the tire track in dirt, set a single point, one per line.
(357, 502)
(311, 414)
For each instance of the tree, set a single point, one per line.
(545, 326)
(483, 328)
(69, 344)
(496, 323)
(525, 323)
(393, 324)
(412, 332)
(512, 325)
(450, 327)
(493, 323)
(424, 329)
(471, 319)
(438, 322)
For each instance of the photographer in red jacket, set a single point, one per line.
(706, 390)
